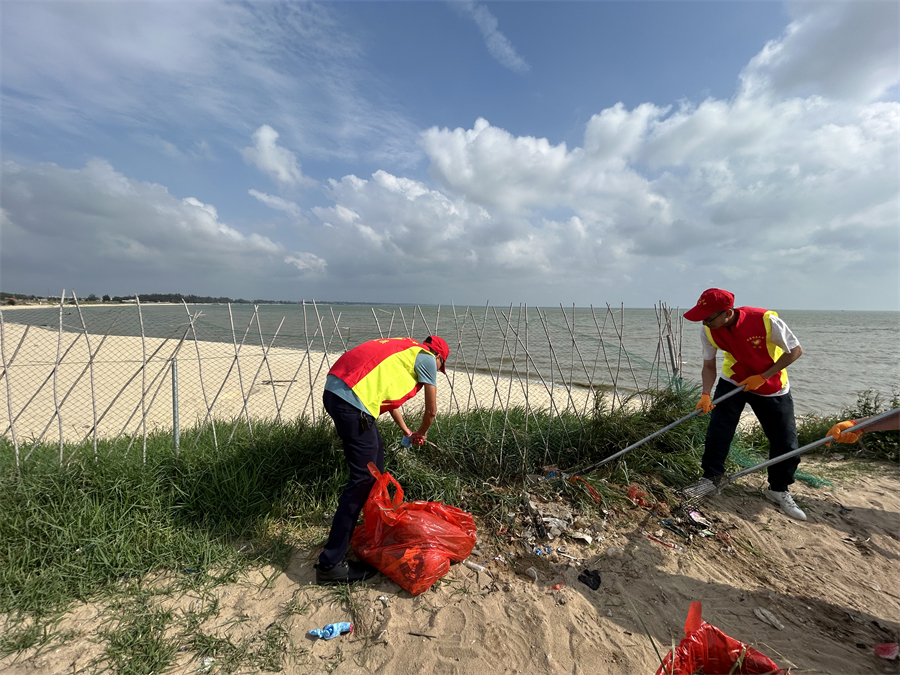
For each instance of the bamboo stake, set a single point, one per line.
(323, 361)
(191, 319)
(161, 374)
(12, 422)
(15, 352)
(238, 362)
(309, 397)
(403, 319)
(452, 379)
(91, 358)
(258, 369)
(530, 359)
(627, 357)
(116, 397)
(572, 364)
(556, 361)
(291, 383)
(553, 360)
(487, 361)
(338, 328)
(143, 381)
(62, 299)
(613, 377)
(46, 380)
(91, 366)
(576, 350)
(268, 366)
(378, 325)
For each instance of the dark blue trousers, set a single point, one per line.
(776, 417)
(362, 444)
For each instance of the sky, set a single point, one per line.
(453, 152)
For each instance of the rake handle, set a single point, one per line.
(793, 453)
(660, 431)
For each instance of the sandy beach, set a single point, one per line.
(262, 383)
(831, 584)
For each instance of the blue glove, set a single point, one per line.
(406, 441)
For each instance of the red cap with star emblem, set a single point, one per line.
(712, 300)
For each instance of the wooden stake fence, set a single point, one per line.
(552, 369)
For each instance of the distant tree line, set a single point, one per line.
(169, 297)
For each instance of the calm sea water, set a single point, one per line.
(844, 352)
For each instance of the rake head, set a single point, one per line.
(703, 488)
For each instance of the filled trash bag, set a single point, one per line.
(411, 543)
(706, 649)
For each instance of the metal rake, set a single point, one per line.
(704, 488)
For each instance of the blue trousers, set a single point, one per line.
(362, 444)
(776, 417)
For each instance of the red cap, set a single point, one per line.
(439, 347)
(712, 300)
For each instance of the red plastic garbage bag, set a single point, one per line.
(707, 649)
(412, 543)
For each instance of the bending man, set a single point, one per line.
(758, 346)
(377, 376)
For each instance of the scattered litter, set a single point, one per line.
(636, 495)
(766, 616)
(557, 587)
(660, 541)
(332, 630)
(566, 555)
(669, 524)
(887, 650)
(533, 573)
(473, 566)
(590, 578)
(583, 536)
(383, 599)
(614, 552)
(697, 517)
(542, 550)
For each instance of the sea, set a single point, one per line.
(845, 353)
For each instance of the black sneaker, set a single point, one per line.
(344, 573)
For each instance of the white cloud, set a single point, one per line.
(97, 229)
(270, 158)
(497, 43)
(278, 203)
(840, 50)
(210, 68)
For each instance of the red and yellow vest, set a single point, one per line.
(749, 349)
(381, 373)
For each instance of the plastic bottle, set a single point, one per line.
(332, 630)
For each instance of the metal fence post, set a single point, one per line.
(176, 431)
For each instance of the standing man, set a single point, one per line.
(377, 376)
(758, 347)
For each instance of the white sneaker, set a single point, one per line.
(787, 503)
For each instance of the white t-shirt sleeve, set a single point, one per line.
(709, 349)
(782, 335)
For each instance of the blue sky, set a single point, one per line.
(437, 152)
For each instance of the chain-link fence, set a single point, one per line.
(74, 374)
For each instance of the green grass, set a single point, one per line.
(102, 528)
